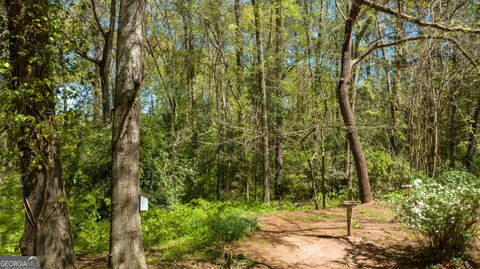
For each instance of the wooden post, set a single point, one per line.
(407, 187)
(349, 205)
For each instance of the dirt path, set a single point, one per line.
(316, 239)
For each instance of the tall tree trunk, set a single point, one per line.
(240, 85)
(345, 108)
(263, 98)
(318, 86)
(126, 249)
(47, 230)
(190, 71)
(278, 75)
(396, 78)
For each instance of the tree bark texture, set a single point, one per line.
(126, 249)
(47, 230)
(263, 98)
(345, 108)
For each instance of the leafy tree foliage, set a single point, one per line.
(411, 88)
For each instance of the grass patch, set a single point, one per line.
(12, 216)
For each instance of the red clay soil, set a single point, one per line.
(316, 240)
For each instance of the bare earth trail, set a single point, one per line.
(317, 239)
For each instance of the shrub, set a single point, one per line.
(90, 232)
(387, 174)
(444, 213)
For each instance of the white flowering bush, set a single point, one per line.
(444, 213)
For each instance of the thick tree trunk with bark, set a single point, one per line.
(263, 98)
(347, 113)
(126, 249)
(47, 230)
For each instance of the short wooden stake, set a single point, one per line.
(349, 205)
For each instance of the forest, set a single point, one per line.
(237, 119)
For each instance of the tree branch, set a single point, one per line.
(84, 55)
(340, 11)
(379, 45)
(97, 19)
(418, 21)
(464, 52)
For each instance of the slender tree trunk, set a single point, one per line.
(105, 61)
(318, 85)
(278, 75)
(452, 141)
(263, 98)
(453, 134)
(240, 85)
(314, 181)
(126, 249)
(395, 84)
(345, 108)
(323, 168)
(190, 71)
(472, 140)
(96, 100)
(47, 230)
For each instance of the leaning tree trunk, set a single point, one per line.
(47, 230)
(126, 249)
(263, 98)
(347, 113)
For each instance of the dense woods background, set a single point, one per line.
(240, 100)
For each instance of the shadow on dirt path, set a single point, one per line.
(316, 239)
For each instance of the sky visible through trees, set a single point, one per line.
(261, 100)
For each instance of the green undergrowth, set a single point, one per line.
(200, 228)
(11, 215)
(196, 229)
